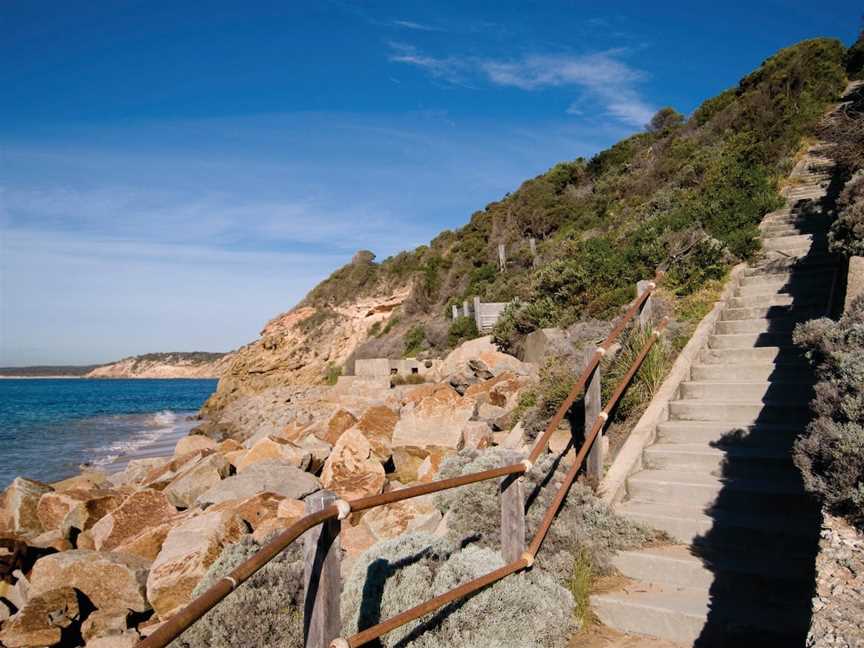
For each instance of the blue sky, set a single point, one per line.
(174, 174)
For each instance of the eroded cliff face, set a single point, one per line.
(296, 347)
(165, 365)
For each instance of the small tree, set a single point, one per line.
(664, 119)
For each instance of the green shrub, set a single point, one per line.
(397, 574)
(332, 373)
(415, 338)
(855, 59)
(461, 330)
(648, 378)
(831, 454)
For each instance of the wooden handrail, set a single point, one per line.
(198, 607)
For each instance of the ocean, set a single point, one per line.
(50, 427)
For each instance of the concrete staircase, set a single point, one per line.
(720, 480)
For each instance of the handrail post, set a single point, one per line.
(647, 312)
(512, 494)
(593, 405)
(322, 620)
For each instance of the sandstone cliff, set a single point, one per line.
(166, 365)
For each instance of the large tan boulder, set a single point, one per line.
(318, 452)
(19, 506)
(128, 639)
(476, 435)
(187, 553)
(87, 480)
(113, 582)
(351, 471)
(377, 424)
(254, 510)
(41, 621)
(268, 476)
(136, 470)
(275, 449)
(140, 510)
(433, 418)
(161, 476)
(412, 462)
(467, 357)
(193, 443)
(200, 477)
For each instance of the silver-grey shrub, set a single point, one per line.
(586, 526)
(525, 610)
(264, 612)
(831, 453)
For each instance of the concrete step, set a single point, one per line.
(786, 242)
(775, 354)
(757, 325)
(738, 413)
(677, 487)
(721, 434)
(787, 277)
(733, 461)
(693, 616)
(780, 312)
(805, 288)
(812, 299)
(785, 264)
(682, 566)
(755, 372)
(748, 392)
(750, 340)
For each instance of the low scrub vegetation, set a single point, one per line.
(831, 454)
(685, 196)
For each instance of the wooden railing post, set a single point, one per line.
(322, 620)
(593, 405)
(512, 490)
(647, 312)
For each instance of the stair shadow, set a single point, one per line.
(764, 538)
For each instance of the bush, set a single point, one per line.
(395, 575)
(415, 339)
(846, 235)
(664, 119)
(461, 330)
(585, 527)
(332, 373)
(265, 611)
(831, 454)
(855, 59)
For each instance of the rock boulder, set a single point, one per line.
(268, 476)
(19, 506)
(351, 471)
(142, 509)
(41, 621)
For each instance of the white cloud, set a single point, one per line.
(603, 76)
(410, 24)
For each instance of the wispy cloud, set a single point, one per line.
(416, 26)
(603, 76)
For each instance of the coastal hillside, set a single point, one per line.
(685, 196)
(178, 364)
(196, 364)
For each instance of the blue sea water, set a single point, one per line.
(50, 427)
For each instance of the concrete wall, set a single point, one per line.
(386, 367)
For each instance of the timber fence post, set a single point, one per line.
(512, 493)
(593, 406)
(322, 620)
(647, 312)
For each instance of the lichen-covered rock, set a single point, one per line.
(187, 553)
(196, 480)
(148, 542)
(377, 424)
(136, 470)
(268, 476)
(395, 575)
(351, 471)
(265, 611)
(110, 581)
(142, 509)
(413, 462)
(338, 423)
(42, 620)
(483, 350)
(417, 514)
(433, 417)
(75, 508)
(476, 435)
(19, 506)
